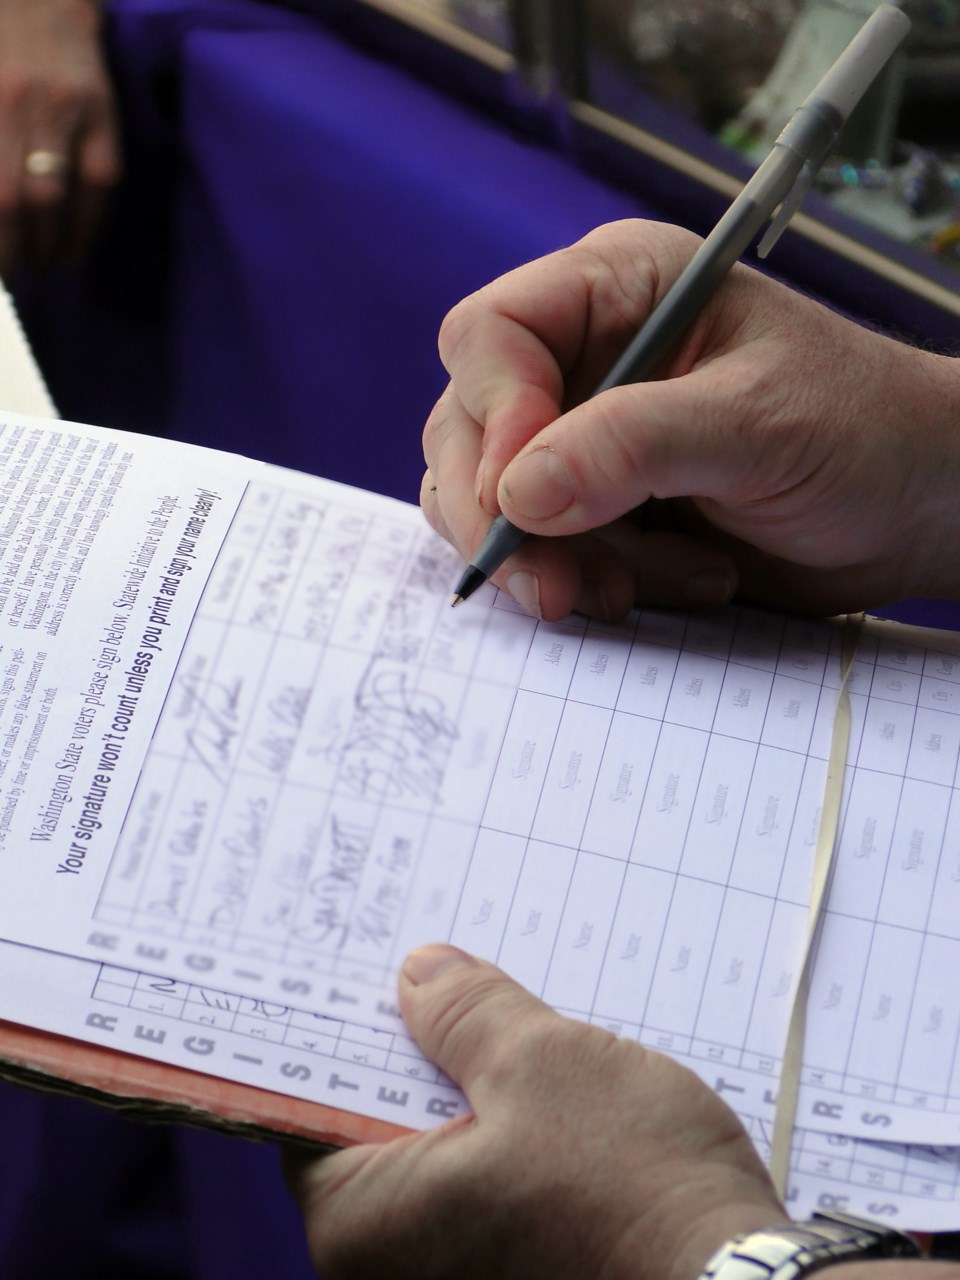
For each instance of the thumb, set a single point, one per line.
(463, 1012)
(677, 437)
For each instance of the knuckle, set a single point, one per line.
(454, 1018)
(57, 104)
(454, 326)
(449, 435)
(466, 1022)
(62, 96)
(541, 1048)
(436, 426)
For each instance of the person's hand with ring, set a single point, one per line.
(59, 149)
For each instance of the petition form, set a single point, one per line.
(266, 757)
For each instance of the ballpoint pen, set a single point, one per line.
(773, 194)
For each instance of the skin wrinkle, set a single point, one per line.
(612, 311)
(577, 344)
(608, 310)
(808, 488)
(609, 313)
(324, 1190)
(807, 491)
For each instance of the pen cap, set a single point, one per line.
(862, 61)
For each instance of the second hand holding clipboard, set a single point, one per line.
(773, 195)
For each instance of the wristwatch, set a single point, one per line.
(799, 1248)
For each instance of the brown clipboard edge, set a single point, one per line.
(155, 1091)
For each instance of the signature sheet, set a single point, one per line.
(270, 759)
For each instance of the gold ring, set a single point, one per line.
(45, 164)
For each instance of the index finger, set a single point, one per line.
(537, 340)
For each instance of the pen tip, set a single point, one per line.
(468, 584)
(455, 601)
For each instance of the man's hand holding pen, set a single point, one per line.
(779, 442)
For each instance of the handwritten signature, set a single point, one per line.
(399, 740)
(218, 721)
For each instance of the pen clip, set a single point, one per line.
(790, 203)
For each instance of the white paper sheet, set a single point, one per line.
(319, 764)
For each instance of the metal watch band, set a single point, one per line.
(799, 1248)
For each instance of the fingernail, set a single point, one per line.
(478, 487)
(538, 484)
(710, 588)
(525, 589)
(426, 963)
